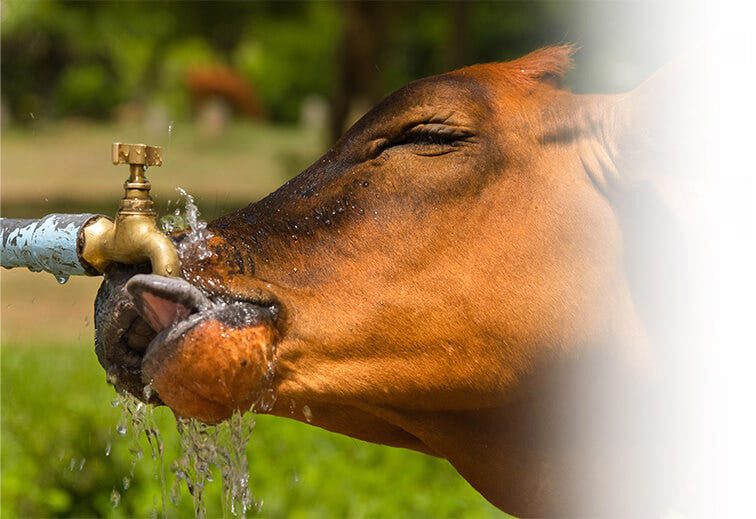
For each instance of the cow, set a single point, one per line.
(454, 276)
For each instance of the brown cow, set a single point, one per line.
(451, 277)
(220, 82)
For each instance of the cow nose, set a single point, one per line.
(162, 301)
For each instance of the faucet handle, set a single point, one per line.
(137, 154)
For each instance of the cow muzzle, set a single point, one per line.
(166, 341)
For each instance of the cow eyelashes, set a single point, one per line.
(429, 138)
(434, 133)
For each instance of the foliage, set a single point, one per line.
(287, 61)
(136, 51)
(57, 422)
(85, 90)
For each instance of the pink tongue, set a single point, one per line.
(160, 312)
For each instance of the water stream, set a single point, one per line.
(137, 419)
(222, 447)
(205, 450)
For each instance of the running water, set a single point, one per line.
(138, 418)
(204, 449)
(186, 217)
(221, 447)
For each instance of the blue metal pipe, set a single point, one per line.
(50, 244)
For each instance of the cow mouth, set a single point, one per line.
(137, 315)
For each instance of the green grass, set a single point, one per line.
(56, 411)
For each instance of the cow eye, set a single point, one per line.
(430, 139)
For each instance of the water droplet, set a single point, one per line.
(126, 483)
(121, 429)
(108, 447)
(81, 464)
(307, 413)
(61, 278)
(31, 114)
(115, 498)
(170, 129)
(267, 399)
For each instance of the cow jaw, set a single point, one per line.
(204, 358)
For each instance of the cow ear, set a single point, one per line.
(545, 65)
(652, 125)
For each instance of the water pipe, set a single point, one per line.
(87, 244)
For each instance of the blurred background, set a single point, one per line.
(242, 96)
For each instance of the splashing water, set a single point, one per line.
(139, 418)
(187, 217)
(204, 450)
(221, 446)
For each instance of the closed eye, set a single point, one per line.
(430, 139)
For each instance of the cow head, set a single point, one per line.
(432, 282)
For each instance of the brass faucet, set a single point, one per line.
(134, 236)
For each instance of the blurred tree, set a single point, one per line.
(288, 55)
(126, 52)
(364, 30)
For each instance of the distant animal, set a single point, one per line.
(218, 82)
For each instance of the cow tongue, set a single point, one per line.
(163, 301)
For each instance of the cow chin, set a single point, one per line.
(164, 341)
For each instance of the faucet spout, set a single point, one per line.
(130, 239)
(162, 255)
(134, 236)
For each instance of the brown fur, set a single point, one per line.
(466, 300)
